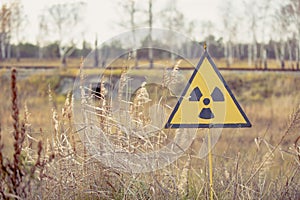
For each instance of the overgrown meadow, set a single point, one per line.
(42, 157)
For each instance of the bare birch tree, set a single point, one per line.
(150, 23)
(18, 20)
(252, 11)
(42, 32)
(130, 9)
(63, 18)
(291, 14)
(265, 15)
(230, 24)
(172, 19)
(281, 26)
(5, 30)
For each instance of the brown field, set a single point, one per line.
(262, 162)
(74, 62)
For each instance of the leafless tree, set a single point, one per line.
(230, 24)
(12, 19)
(96, 55)
(190, 28)
(17, 20)
(63, 19)
(173, 19)
(42, 32)
(291, 15)
(265, 16)
(139, 13)
(252, 11)
(130, 9)
(150, 20)
(206, 29)
(280, 26)
(5, 30)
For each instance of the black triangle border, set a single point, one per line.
(231, 125)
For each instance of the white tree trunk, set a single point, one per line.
(3, 49)
(96, 55)
(150, 50)
(255, 54)
(40, 52)
(132, 24)
(18, 53)
(230, 54)
(276, 54)
(249, 55)
(8, 53)
(226, 53)
(282, 54)
(238, 51)
(298, 54)
(265, 58)
(290, 55)
(261, 54)
(242, 51)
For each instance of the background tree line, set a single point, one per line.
(272, 29)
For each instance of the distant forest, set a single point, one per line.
(272, 29)
(216, 48)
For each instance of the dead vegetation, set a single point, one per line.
(258, 163)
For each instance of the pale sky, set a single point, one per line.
(102, 16)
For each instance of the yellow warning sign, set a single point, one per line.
(207, 101)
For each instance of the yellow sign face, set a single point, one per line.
(207, 101)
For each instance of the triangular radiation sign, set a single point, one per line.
(206, 101)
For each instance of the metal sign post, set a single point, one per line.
(207, 102)
(210, 163)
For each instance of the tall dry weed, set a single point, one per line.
(17, 173)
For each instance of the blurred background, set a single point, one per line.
(253, 33)
(254, 43)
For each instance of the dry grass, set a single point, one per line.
(73, 63)
(34, 62)
(258, 163)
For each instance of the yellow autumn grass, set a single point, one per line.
(74, 63)
(254, 163)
